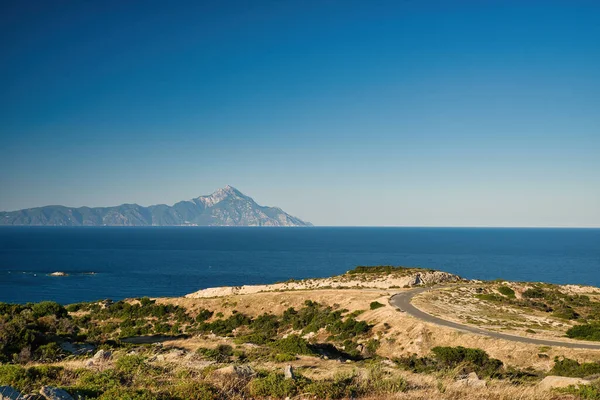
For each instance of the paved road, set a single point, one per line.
(402, 301)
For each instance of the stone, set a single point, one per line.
(471, 380)
(552, 382)
(288, 372)
(102, 355)
(238, 371)
(9, 393)
(53, 393)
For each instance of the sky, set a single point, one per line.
(375, 113)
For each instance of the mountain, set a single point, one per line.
(225, 207)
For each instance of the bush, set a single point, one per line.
(44, 308)
(473, 359)
(30, 379)
(375, 305)
(534, 293)
(49, 352)
(584, 392)
(293, 344)
(220, 354)
(571, 368)
(585, 332)
(274, 385)
(131, 364)
(380, 269)
(285, 357)
(565, 312)
(203, 315)
(508, 292)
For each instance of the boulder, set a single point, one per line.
(9, 393)
(471, 380)
(238, 371)
(288, 372)
(552, 382)
(102, 355)
(53, 393)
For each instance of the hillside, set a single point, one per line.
(306, 340)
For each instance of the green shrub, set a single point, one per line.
(371, 347)
(572, 368)
(225, 327)
(220, 354)
(30, 379)
(274, 385)
(534, 293)
(203, 315)
(255, 338)
(375, 305)
(293, 344)
(508, 292)
(585, 332)
(472, 359)
(565, 312)
(490, 297)
(584, 392)
(131, 364)
(194, 390)
(284, 357)
(416, 364)
(98, 382)
(49, 352)
(45, 308)
(381, 269)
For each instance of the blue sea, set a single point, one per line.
(120, 262)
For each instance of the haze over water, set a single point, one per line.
(133, 262)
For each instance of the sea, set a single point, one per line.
(123, 262)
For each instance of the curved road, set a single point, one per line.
(402, 301)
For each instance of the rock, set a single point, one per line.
(77, 348)
(551, 382)
(471, 380)
(53, 393)
(288, 372)
(9, 393)
(102, 355)
(238, 371)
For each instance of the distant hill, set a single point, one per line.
(225, 207)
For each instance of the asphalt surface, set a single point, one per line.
(402, 301)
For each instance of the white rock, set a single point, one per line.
(472, 380)
(288, 372)
(102, 355)
(240, 371)
(551, 382)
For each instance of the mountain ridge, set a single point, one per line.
(224, 207)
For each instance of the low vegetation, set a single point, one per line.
(384, 269)
(552, 300)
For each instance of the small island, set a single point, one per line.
(374, 332)
(58, 273)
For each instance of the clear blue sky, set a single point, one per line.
(443, 113)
